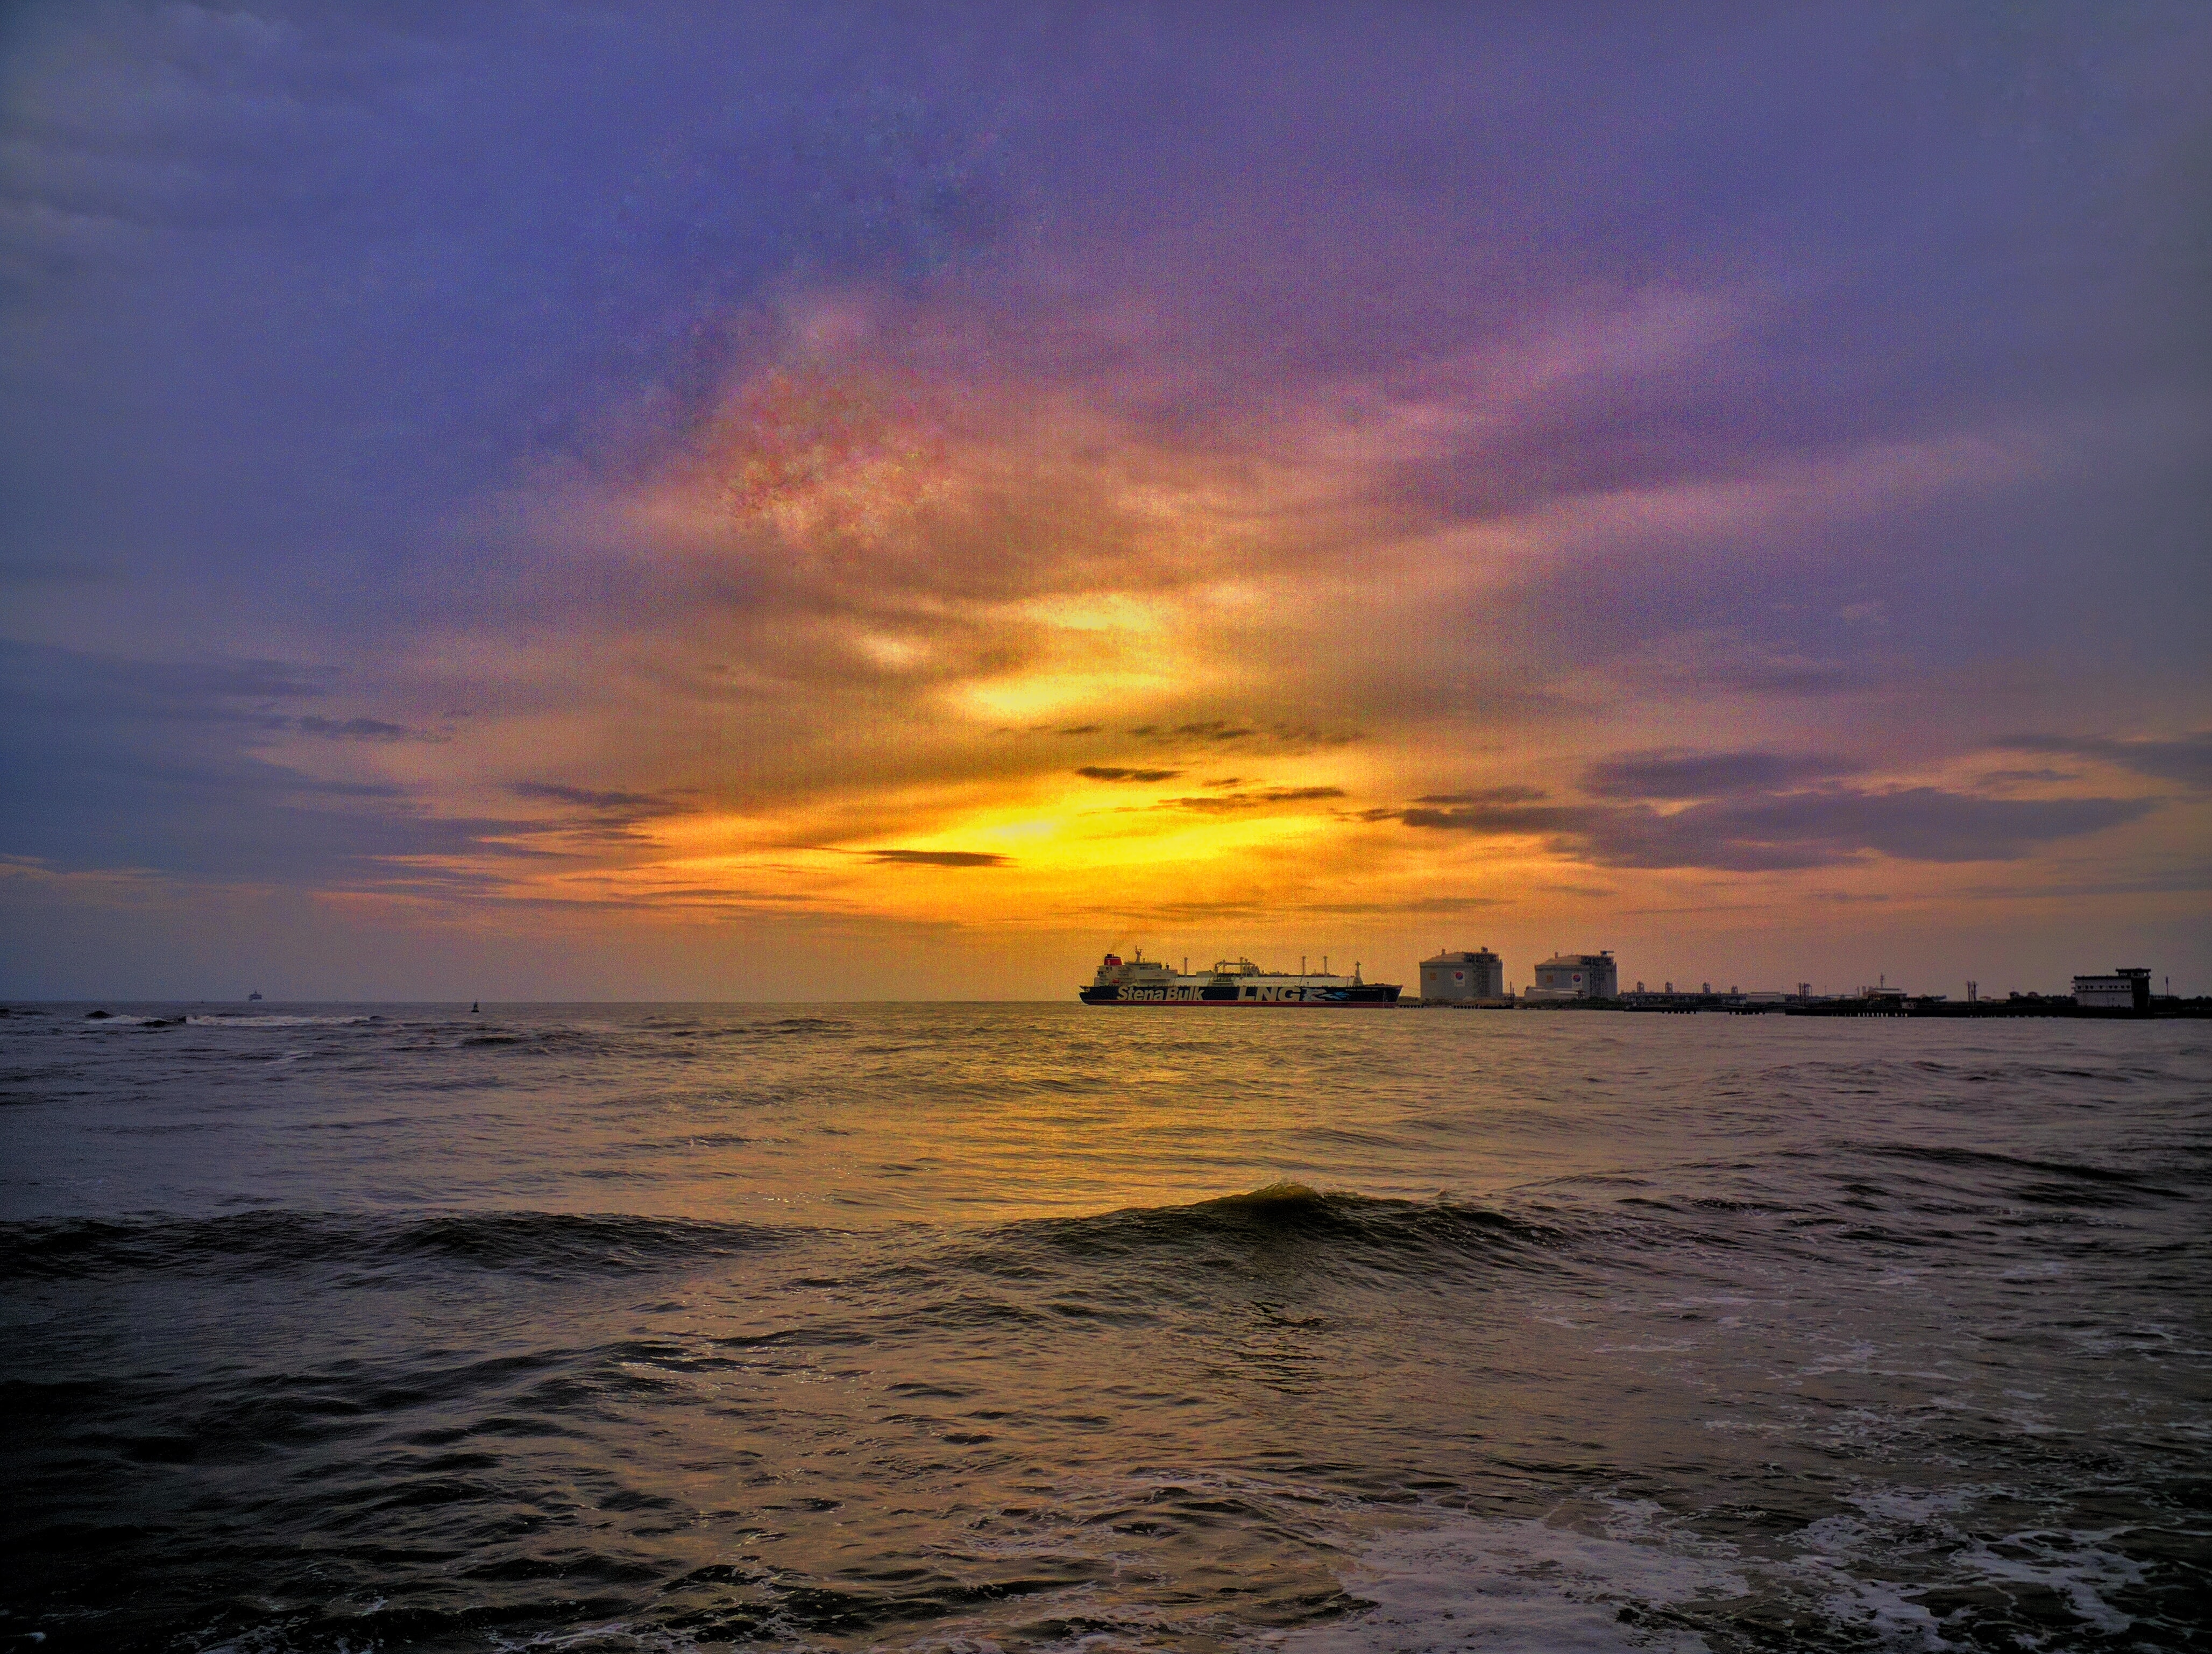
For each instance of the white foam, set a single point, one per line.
(1852, 1357)
(1843, 1551)
(1562, 1583)
(1523, 1585)
(1879, 1606)
(2071, 1565)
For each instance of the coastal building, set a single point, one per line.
(1457, 978)
(1577, 976)
(2128, 988)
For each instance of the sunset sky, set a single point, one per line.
(630, 501)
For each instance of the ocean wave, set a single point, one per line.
(1398, 1235)
(660, 1034)
(2066, 1182)
(254, 1242)
(222, 1019)
(781, 1028)
(561, 1040)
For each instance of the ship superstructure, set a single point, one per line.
(1140, 980)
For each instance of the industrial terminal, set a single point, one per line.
(1475, 980)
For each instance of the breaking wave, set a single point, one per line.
(1290, 1220)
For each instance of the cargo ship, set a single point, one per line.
(1140, 981)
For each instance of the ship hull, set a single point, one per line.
(1245, 993)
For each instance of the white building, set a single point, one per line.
(1577, 976)
(1451, 978)
(2125, 989)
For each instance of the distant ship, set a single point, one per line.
(1232, 981)
(254, 995)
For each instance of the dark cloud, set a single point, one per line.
(1221, 732)
(601, 815)
(1222, 803)
(108, 686)
(1486, 795)
(1106, 773)
(594, 798)
(150, 765)
(1215, 729)
(1707, 776)
(939, 859)
(1489, 819)
(2157, 881)
(1772, 832)
(1209, 909)
(251, 695)
(1918, 824)
(2186, 760)
(2028, 777)
(354, 729)
(1413, 904)
(239, 821)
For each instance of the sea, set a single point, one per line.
(1039, 1327)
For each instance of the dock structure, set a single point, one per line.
(1758, 1003)
(1475, 979)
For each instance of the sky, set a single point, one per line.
(635, 502)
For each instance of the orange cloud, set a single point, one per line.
(901, 625)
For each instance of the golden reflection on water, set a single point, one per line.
(936, 1327)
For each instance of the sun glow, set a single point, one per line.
(954, 648)
(1052, 694)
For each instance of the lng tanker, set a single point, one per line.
(1140, 981)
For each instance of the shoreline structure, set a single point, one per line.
(1463, 981)
(1475, 980)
